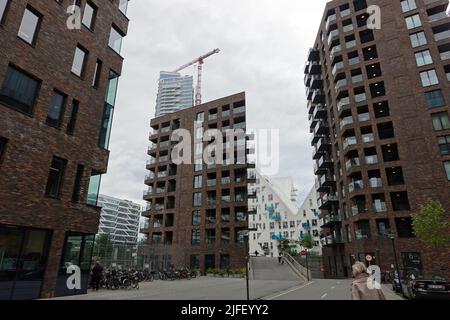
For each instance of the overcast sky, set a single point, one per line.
(263, 50)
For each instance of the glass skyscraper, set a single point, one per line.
(175, 93)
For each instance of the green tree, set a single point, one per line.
(284, 245)
(307, 241)
(431, 225)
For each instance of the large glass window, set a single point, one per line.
(3, 4)
(423, 58)
(29, 25)
(115, 39)
(429, 78)
(123, 6)
(55, 177)
(19, 90)
(441, 121)
(197, 199)
(23, 258)
(444, 145)
(447, 169)
(418, 39)
(56, 111)
(195, 238)
(434, 99)
(196, 218)
(79, 61)
(94, 187)
(197, 182)
(78, 252)
(413, 21)
(108, 112)
(408, 5)
(90, 11)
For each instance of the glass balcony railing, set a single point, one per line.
(353, 61)
(353, 162)
(348, 28)
(226, 180)
(375, 182)
(371, 159)
(330, 19)
(356, 186)
(445, 55)
(337, 66)
(211, 182)
(442, 35)
(340, 83)
(438, 16)
(163, 158)
(360, 97)
(379, 206)
(162, 174)
(357, 78)
(164, 144)
(226, 199)
(368, 137)
(363, 117)
(356, 210)
(336, 49)
(362, 234)
(332, 34)
(349, 141)
(165, 130)
(345, 12)
(239, 110)
(350, 44)
(343, 102)
(346, 121)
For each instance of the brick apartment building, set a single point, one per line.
(378, 103)
(57, 96)
(198, 212)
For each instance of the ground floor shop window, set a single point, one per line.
(77, 252)
(23, 258)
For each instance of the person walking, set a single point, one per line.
(360, 288)
(97, 272)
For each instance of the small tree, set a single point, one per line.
(307, 242)
(430, 224)
(284, 245)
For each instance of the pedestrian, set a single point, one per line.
(97, 272)
(280, 257)
(360, 288)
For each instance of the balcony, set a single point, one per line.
(331, 241)
(149, 178)
(317, 81)
(352, 163)
(313, 67)
(328, 180)
(375, 183)
(252, 195)
(323, 145)
(321, 128)
(325, 162)
(333, 34)
(161, 174)
(164, 144)
(226, 199)
(362, 234)
(318, 96)
(313, 55)
(343, 102)
(239, 110)
(348, 28)
(329, 20)
(327, 201)
(211, 183)
(358, 209)
(349, 142)
(320, 112)
(334, 51)
(330, 220)
(368, 137)
(362, 117)
(317, 153)
(355, 186)
(340, 83)
(379, 207)
(338, 66)
(211, 201)
(361, 97)
(345, 122)
(437, 16)
(148, 193)
(370, 160)
(442, 35)
(251, 177)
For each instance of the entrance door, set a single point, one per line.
(23, 258)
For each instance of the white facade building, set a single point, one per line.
(119, 219)
(175, 93)
(278, 216)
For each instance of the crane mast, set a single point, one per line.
(199, 61)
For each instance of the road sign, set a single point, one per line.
(369, 258)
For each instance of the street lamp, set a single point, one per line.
(247, 259)
(392, 237)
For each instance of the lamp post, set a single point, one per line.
(392, 237)
(247, 259)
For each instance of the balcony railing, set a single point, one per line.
(348, 28)
(353, 61)
(346, 121)
(356, 210)
(162, 174)
(330, 240)
(337, 66)
(353, 162)
(240, 198)
(164, 144)
(362, 234)
(379, 207)
(356, 186)
(342, 103)
(438, 16)
(442, 35)
(349, 141)
(363, 117)
(226, 199)
(211, 182)
(371, 160)
(340, 83)
(226, 180)
(445, 55)
(330, 19)
(375, 182)
(165, 130)
(360, 97)
(368, 137)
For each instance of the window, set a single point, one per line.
(77, 186)
(55, 177)
(195, 238)
(196, 218)
(400, 201)
(199, 133)
(434, 99)
(94, 187)
(19, 90)
(418, 39)
(210, 236)
(123, 6)
(3, 142)
(197, 199)
(408, 5)
(423, 58)
(200, 117)
(224, 261)
(429, 78)
(3, 4)
(90, 12)
(197, 182)
(444, 145)
(115, 39)
(199, 149)
(105, 131)
(198, 165)
(97, 73)
(447, 169)
(441, 121)
(29, 25)
(225, 235)
(73, 117)
(79, 61)
(56, 111)
(404, 227)
(413, 21)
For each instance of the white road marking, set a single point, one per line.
(289, 291)
(323, 296)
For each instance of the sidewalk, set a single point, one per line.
(389, 293)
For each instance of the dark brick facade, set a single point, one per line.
(180, 249)
(394, 112)
(32, 143)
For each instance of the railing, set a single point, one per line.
(157, 224)
(368, 137)
(160, 190)
(362, 234)
(340, 83)
(330, 19)
(355, 186)
(442, 35)
(363, 117)
(297, 267)
(165, 130)
(346, 121)
(353, 61)
(335, 50)
(159, 207)
(445, 55)
(349, 141)
(148, 192)
(438, 16)
(211, 182)
(337, 66)
(163, 158)
(226, 199)
(332, 34)
(240, 198)
(350, 44)
(357, 78)
(352, 162)
(345, 12)
(356, 210)
(226, 113)
(375, 182)
(342, 103)
(379, 207)
(360, 97)
(226, 180)
(348, 28)
(212, 116)
(372, 159)
(162, 174)
(239, 110)
(211, 201)
(164, 144)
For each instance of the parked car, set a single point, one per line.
(427, 285)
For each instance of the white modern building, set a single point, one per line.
(175, 93)
(119, 219)
(278, 216)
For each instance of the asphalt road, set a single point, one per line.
(324, 289)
